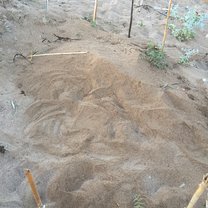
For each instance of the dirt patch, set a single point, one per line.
(84, 106)
(98, 129)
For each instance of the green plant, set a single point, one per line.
(90, 20)
(93, 23)
(155, 56)
(174, 12)
(184, 59)
(141, 24)
(138, 202)
(181, 34)
(183, 28)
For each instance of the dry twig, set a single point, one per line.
(21, 55)
(64, 38)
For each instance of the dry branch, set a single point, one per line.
(21, 55)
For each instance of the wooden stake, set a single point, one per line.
(207, 201)
(95, 11)
(202, 187)
(131, 18)
(166, 25)
(35, 193)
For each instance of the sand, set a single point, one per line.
(97, 129)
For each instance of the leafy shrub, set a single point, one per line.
(155, 56)
(186, 24)
(182, 34)
(192, 19)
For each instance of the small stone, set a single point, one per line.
(182, 185)
(2, 149)
(191, 96)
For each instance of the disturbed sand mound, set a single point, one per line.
(95, 137)
(89, 184)
(135, 138)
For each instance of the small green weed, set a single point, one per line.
(90, 20)
(93, 23)
(138, 202)
(141, 24)
(188, 53)
(155, 56)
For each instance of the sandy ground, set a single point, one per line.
(99, 128)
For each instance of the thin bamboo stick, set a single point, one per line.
(95, 11)
(57, 54)
(166, 25)
(35, 193)
(202, 187)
